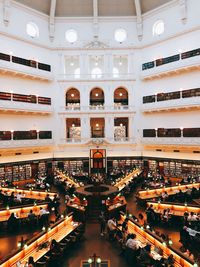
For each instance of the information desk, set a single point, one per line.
(115, 205)
(172, 190)
(21, 212)
(58, 231)
(33, 194)
(123, 181)
(175, 209)
(146, 236)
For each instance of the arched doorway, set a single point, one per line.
(98, 160)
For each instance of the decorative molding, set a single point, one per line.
(183, 10)
(6, 12)
(52, 20)
(139, 23)
(96, 44)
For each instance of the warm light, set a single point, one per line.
(73, 125)
(120, 94)
(170, 242)
(12, 131)
(97, 125)
(43, 228)
(62, 216)
(89, 260)
(25, 246)
(7, 207)
(148, 226)
(72, 95)
(181, 128)
(19, 244)
(96, 94)
(49, 228)
(98, 260)
(121, 124)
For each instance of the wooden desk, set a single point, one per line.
(33, 194)
(67, 179)
(172, 190)
(147, 236)
(21, 212)
(122, 183)
(60, 230)
(175, 209)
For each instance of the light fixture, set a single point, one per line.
(71, 63)
(98, 260)
(43, 228)
(73, 125)
(96, 63)
(72, 95)
(96, 94)
(121, 124)
(89, 260)
(120, 63)
(19, 244)
(97, 125)
(170, 242)
(120, 94)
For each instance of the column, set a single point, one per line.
(85, 128)
(108, 64)
(84, 65)
(109, 127)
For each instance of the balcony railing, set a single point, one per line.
(25, 143)
(188, 141)
(164, 101)
(25, 67)
(25, 103)
(103, 109)
(104, 76)
(99, 140)
(179, 62)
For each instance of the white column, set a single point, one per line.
(84, 64)
(84, 97)
(109, 127)
(85, 127)
(108, 95)
(62, 128)
(130, 127)
(131, 63)
(108, 64)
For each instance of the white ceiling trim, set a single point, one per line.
(6, 12)
(139, 19)
(52, 20)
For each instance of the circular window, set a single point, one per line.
(71, 36)
(120, 35)
(32, 30)
(158, 28)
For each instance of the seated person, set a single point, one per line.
(145, 258)
(12, 222)
(132, 242)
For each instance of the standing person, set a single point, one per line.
(102, 221)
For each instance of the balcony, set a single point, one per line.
(177, 63)
(25, 143)
(175, 104)
(28, 108)
(97, 109)
(103, 77)
(25, 68)
(177, 141)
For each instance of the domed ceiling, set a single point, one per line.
(84, 8)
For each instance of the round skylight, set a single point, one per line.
(158, 28)
(120, 35)
(71, 36)
(32, 30)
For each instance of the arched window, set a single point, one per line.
(32, 30)
(115, 72)
(120, 35)
(96, 73)
(77, 73)
(71, 36)
(158, 28)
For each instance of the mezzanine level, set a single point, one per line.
(28, 104)
(183, 62)
(177, 141)
(186, 99)
(25, 67)
(25, 143)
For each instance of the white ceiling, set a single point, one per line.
(84, 8)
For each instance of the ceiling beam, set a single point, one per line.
(95, 19)
(6, 12)
(139, 19)
(183, 9)
(52, 20)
